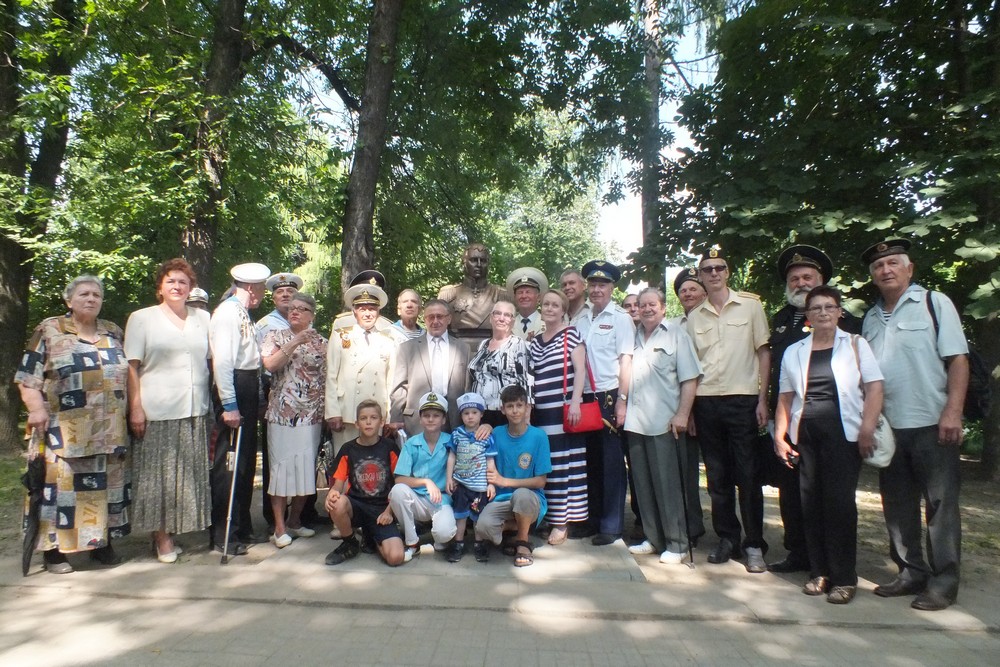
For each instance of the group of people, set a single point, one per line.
(513, 407)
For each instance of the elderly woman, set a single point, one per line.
(558, 362)
(828, 406)
(72, 379)
(502, 360)
(665, 373)
(167, 350)
(296, 358)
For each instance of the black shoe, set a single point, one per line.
(456, 551)
(251, 538)
(236, 548)
(790, 563)
(579, 531)
(931, 601)
(368, 545)
(482, 551)
(348, 549)
(105, 555)
(56, 562)
(604, 539)
(898, 588)
(723, 552)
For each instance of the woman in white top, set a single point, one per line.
(167, 349)
(829, 402)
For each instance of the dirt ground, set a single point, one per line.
(980, 522)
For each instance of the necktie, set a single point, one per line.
(436, 366)
(367, 340)
(525, 321)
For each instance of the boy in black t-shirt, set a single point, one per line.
(365, 470)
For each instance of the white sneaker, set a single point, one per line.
(671, 558)
(335, 534)
(410, 553)
(641, 549)
(281, 541)
(439, 547)
(301, 531)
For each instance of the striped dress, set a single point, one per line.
(566, 485)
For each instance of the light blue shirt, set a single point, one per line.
(523, 457)
(659, 366)
(609, 335)
(417, 460)
(911, 355)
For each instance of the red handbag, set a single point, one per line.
(591, 418)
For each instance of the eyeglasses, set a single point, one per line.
(715, 268)
(825, 308)
(500, 315)
(299, 309)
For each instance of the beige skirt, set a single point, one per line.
(292, 454)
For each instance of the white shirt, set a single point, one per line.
(233, 339)
(173, 363)
(795, 376)
(609, 334)
(535, 325)
(439, 371)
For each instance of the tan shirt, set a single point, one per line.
(727, 344)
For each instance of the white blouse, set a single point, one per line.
(173, 363)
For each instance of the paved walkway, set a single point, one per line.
(578, 605)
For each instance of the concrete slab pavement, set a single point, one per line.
(578, 604)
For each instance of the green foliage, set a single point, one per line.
(840, 123)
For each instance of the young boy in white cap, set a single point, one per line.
(420, 479)
(469, 460)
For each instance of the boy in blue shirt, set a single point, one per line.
(420, 478)
(522, 463)
(469, 461)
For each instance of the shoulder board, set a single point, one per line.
(345, 331)
(749, 295)
(619, 309)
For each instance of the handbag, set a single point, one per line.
(591, 418)
(885, 441)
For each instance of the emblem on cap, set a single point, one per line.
(796, 258)
(881, 247)
(365, 295)
(432, 396)
(713, 253)
(372, 282)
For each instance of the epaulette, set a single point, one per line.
(749, 295)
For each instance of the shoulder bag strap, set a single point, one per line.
(857, 360)
(565, 361)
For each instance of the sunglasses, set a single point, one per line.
(715, 268)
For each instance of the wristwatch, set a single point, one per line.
(623, 397)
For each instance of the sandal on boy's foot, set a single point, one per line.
(348, 549)
(456, 551)
(523, 554)
(482, 551)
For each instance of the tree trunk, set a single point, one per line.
(41, 177)
(222, 74)
(653, 67)
(358, 250)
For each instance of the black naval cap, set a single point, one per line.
(884, 249)
(805, 255)
(685, 275)
(712, 253)
(369, 277)
(598, 269)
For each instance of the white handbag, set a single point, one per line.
(885, 441)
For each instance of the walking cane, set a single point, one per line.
(684, 498)
(235, 453)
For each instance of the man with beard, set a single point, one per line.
(802, 267)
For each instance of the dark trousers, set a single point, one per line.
(829, 469)
(633, 499)
(606, 477)
(221, 479)
(265, 457)
(924, 469)
(692, 487)
(727, 431)
(786, 480)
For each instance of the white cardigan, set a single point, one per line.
(795, 374)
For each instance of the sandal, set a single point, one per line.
(558, 535)
(841, 594)
(522, 559)
(816, 586)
